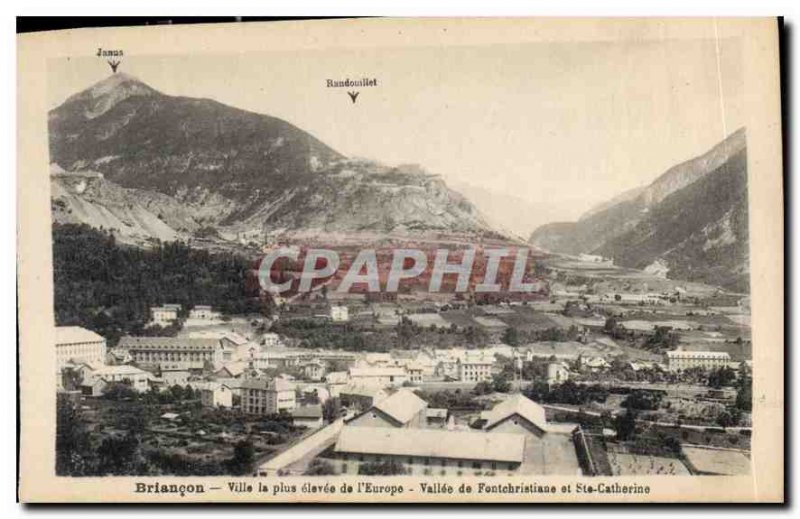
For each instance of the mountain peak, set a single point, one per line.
(104, 95)
(120, 80)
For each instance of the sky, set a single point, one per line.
(536, 132)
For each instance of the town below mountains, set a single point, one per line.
(631, 357)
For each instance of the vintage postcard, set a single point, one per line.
(402, 260)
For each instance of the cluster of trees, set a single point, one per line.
(451, 399)
(534, 369)
(511, 336)
(514, 337)
(733, 414)
(332, 409)
(613, 328)
(123, 391)
(625, 425)
(722, 377)
(567, 392)
(655, 443)
(109, 288)
(170, 330)
(663, 339)
(319, 333)
(78, 453)
(744, 394)
(409, 334)
(316, 333)
(730, 417)
(500, 383)
(643, 400)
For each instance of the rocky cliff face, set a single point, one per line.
(692, 219)
(699, 232)
(198, 164)
(688, 172)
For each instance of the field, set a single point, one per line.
(645, 465)
(197, 441)
(718, 461)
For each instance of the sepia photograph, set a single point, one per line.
(500, 266)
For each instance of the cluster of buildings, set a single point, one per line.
(229, 369)
(512, 438)
(564, 355)
(583, 292)
(266, 378)
(210, 364)
(164, 315)
(167, 314)
(77, 343)
(681, 360)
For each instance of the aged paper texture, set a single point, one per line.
(402, 260)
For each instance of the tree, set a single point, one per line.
(625, 425)
(610, 325)
(482, 388)
(744, 395)
(662, 339)
(566, 393)
(671, 444)
(177, 393)
(511, 336)
(243, 457)
(721, 377)
(71, 378)
(118, 455)
(643, 400)
(332, 409)
(729, 418)
(501, 384)
(606, 418)
(73, 447)
(119, 391)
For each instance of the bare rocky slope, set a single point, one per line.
(693, 219)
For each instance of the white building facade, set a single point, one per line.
(80, 345)
(679, 360)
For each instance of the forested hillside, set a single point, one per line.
(109, 287)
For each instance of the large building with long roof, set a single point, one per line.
(429, 451)
(514, 437)
(187, 352)
(75, 343)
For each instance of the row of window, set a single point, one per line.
(65, 351)
(428, 462)
(177, 356)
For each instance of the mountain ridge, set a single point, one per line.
(259, 174)
(641, 227)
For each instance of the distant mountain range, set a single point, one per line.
(153, 166)
(693, 220)
(513, 215)
(172, 167)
